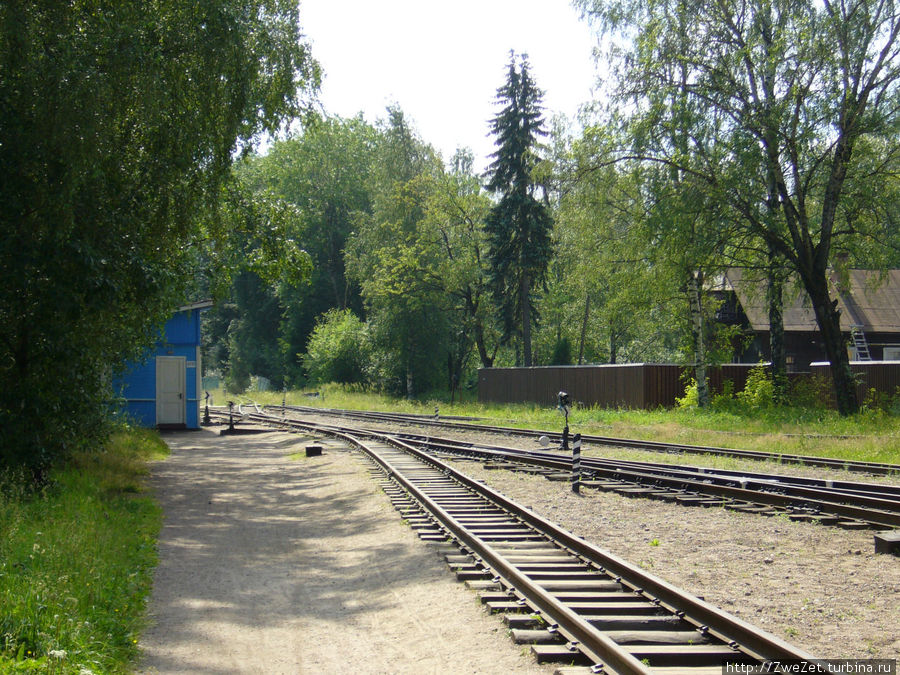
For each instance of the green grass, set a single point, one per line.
(76, 561)
(873, 435)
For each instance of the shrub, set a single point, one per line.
(813, 391)
(338, 350)
(724, 401)
(691, 398)
(759, 392)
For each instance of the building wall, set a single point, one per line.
(137, 385)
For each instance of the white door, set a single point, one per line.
(170, 389)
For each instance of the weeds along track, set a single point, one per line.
(875, 468)
(573, 602)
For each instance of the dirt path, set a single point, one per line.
(272, 565)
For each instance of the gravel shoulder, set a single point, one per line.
(273, 565)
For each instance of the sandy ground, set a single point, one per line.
(273, 565)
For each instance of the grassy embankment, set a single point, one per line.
(873, 435)
(76, 561)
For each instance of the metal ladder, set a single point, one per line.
(860, 344)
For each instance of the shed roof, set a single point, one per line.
(871, 300)
(202, 304)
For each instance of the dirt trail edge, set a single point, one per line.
(273, 565)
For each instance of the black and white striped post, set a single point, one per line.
(576, 464)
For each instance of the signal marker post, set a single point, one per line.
(576, 464)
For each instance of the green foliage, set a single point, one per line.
(809, 392)
(338, 350)
(395, 264)
(321, 174)
(691, 398)
(759, 392)
(519, 224)
(77, 559)
(562, 353)
(118, 128)
(781, 117)
(881, 403)
(724, 400)
(606, 293)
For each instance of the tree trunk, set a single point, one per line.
(695, 283)
(584, 323)
(776, 338)
(613, 345)
(774, 297)
(487, 361)
(828, 316)
(525, 293)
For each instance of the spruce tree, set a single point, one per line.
(518, 226)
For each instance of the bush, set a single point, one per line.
(880, 402)
(338, 350)
(724, 401)
(813, 392)
(691, 398)
(759, 392)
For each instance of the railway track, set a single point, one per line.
(845, 504)
(875, 468)
(574, 602)
(842, 503)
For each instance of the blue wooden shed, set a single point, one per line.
(163, 390)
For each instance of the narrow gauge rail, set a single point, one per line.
(843, 504)
(832, 502)
(875, 468)
(573, 601)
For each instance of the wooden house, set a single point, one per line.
(163, 390)
(870, 317)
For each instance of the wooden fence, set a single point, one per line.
(632, 385)
(646, 385)
(882, 376)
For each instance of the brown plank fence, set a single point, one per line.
(644, 385)
(882, 376)
(631, 385)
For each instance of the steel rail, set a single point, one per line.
(876, 511)
(873, 495)
(738, 634)
(876, 490)
(589, 640)
(762, 489)
(878, 468)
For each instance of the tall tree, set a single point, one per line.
(454, 223)
(806, 91)
(323, 171)
(119, 122)
(520, 223)
(386, 255)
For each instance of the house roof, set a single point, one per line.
(870, 300)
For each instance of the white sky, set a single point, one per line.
(442, 62)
